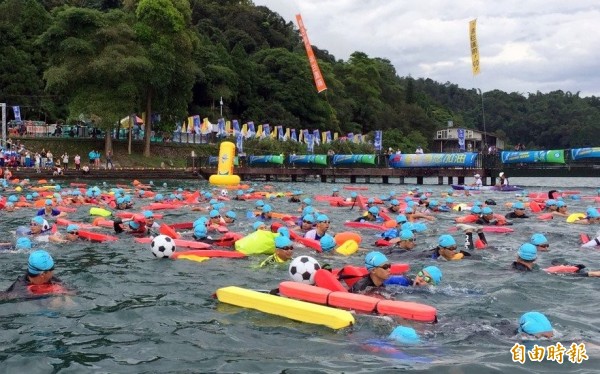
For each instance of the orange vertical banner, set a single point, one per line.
(314, 66)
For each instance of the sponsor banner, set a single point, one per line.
(270, 159)
(556, 156)
(353, 159)
(432, 160)
(308, 159)
(581, 153)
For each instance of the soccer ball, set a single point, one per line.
(302, 269)
(224, 192)
(162, 246)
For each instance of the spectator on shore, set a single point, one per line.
(65, 161)
(77, 160)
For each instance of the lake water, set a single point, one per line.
(136, 314)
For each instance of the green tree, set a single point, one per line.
(163, 29)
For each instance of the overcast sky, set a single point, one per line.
(524, 45)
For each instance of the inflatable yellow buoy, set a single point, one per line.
(225, 176)
(349, 247)
(100, 212)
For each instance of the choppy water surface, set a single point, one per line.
(136, 314)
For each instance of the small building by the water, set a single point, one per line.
(447, 141)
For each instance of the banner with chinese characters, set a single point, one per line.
(432, 160)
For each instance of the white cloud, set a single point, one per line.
(525, 46)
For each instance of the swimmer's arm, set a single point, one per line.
(56, 238)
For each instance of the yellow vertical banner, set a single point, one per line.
(474, 46)
(245, 129)
(228, 130)
(190, 126)
(275, 132)
(287, 134)
(259, 132)
(314, 66)
(324, 137)
(300, 136)
(335, 136)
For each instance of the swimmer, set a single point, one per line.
(405, 241)
(591, 217)
(540, 242)
(428, 276)
(372, 216)
(379, 271)
(321, 228)
(38, 281)
(48, 211)
(526, 257)
(230, 217)
(535, 324)
(518, 211)
(447, 249)
(283, 252)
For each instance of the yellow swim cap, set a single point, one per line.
(18, 189)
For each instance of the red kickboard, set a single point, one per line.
(96, 237)
(209, 253)
(365, 225)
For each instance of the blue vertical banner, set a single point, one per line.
(461, 139)
(266, 131)
(197, 124)
(328, 137)
(305, 135)
(236, 127)
(251, 130)
(240, 143)
(350, 137)
(221, 127)
(280, 134)
(377, 142)
(310, 141)
(17, 112)
(294, 137)
(316, 137)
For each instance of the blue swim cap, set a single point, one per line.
(200, 231)
(28, 197)
(435, 273)
(72, 228)
(407, 226)
(282, 242)
(575, 197)
(476, 209)
(327, 243)
(560, 204)
(408, 210)
(120, 200)
(518, 205)
(267, 208)
(142, 193)
(446, 241)
(207, 195)
(374, 210)
(322, 218)
(406, 235)
(592, 212)
(38, 220)
(477, 203)
(487, 210)
(550, 202)
(309, 218)
(23, 243)
(283, 231)
(307, 201)
(48, 202)
(57, 187)
(353, 194)
(214, 213)
(13, 199)
(401, 218)
(231, 214)
(148, 214)
(39, 262)
(405, 335)
(449, 200)
(534, 323)
(213, 201)
(259, 203)
(538, 239)
(375, 259)
(407, 198)
(395, 202)
(528, 252)
(336, 190)
(240, 192)
(371, 201)
(35, 194)
(127, 198)
(433, 203)
(158, 197)
(257, 225)
(308, 210)
(134, 225)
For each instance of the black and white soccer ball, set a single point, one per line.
(162, 246)
(303, 268)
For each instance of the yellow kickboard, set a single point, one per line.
(288, 308)
(575, 217)
(193, 258)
